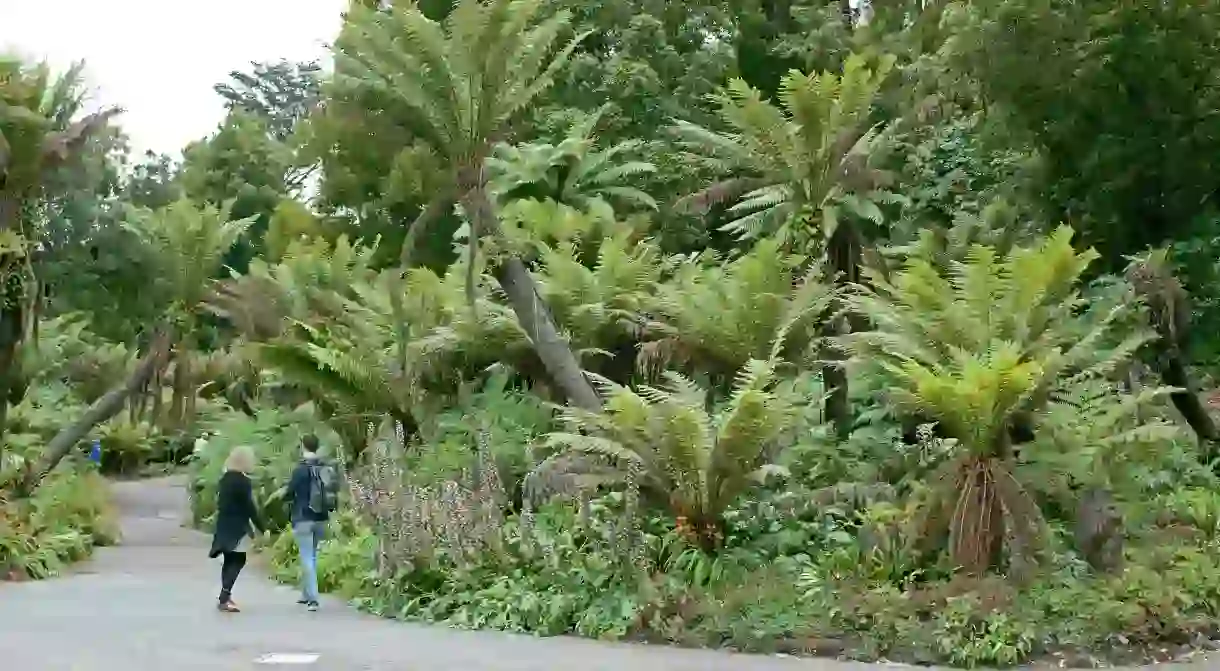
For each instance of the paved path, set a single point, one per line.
(148, 605)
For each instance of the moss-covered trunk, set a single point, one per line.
(12, 311)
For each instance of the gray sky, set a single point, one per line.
(159, 59)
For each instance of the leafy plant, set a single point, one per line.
(976, 348)
(665, 442)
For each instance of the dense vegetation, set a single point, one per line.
(624, 320)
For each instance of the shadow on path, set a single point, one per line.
(148, 605)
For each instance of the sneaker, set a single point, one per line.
(303, 601)
(312, 606)
(228, 607)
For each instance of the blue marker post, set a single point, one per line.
(95, 452)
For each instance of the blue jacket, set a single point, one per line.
(298, 493)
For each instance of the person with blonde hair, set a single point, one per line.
(236, 519)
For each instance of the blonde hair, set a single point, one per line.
(241, 459)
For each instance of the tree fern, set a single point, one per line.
(806, 158)
(688, 460)
(461, 87)
(717, 316)
(188, 242)
(573, 172)
(974, 346)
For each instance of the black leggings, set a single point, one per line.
(234, 562)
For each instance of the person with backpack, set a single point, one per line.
(312, 493)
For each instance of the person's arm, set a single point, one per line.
(299, 473)
(251, 506)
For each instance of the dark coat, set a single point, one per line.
(297, 493)
(236, 512)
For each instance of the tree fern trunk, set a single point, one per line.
(109, 405)
(1169, 315)
(844, 251)
(1174, 373)
(532, 312)
(12, 314)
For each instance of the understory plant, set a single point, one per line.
(67, 517)
(981, 347)
(667, 445)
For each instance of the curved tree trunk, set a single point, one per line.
(531, 310)
(109, 405)
(12, 308)
(1169, 314)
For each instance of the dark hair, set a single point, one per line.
(310, 443)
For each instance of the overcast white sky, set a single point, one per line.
(160, 58)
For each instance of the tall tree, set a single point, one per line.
(243, 167)
(465, 83)
(42, 131)
(282, 94)
(800, 171)
(1129, 147)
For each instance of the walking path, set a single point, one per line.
(148, 605)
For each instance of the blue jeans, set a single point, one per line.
(308, 534)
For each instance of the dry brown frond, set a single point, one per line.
(722, 192)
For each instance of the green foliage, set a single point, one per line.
(1091, 136)
(61, 524)
(41, 128)
(189, 242)
(977, 348)
(275, 435)
(282, 94)
(462, 82)
(893, 206)
(715, 316)
(665, 443)
(572, 172)
(800, 167)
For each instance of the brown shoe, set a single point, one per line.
(228, 607)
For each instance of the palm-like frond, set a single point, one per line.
(1016, 325)
(598, 306)
(464, 82)
(691, 461)
(1092, 430)
(789, 163)
(758, 306)
(572, 172)
(41, 122)
(188, 243)
(261, 302)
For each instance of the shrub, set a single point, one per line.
(66, 518)
(275, 435)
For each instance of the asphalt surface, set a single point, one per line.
(149, 605)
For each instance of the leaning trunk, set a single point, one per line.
(12, 310)
(553, 350)
(532, 312)
(1174, 373)
(1169, 313)
(109, 405)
